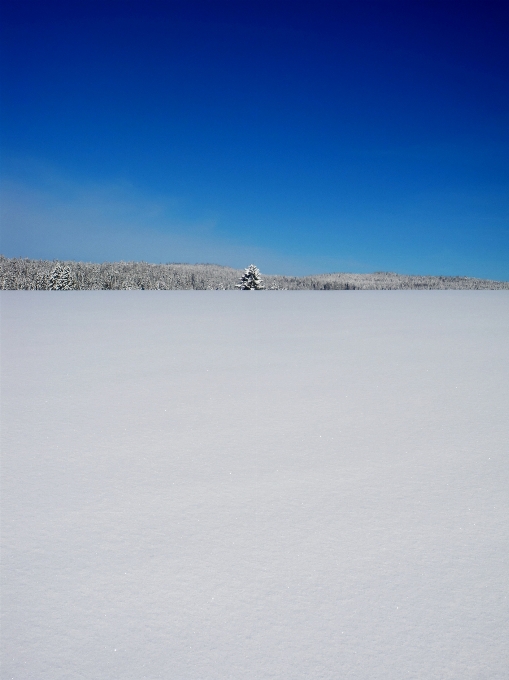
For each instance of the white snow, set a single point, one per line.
(286, 485)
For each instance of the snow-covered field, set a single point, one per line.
(279, 485)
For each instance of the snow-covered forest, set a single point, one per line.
(202, 486)
(26, 274)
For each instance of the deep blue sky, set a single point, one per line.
(303, 136)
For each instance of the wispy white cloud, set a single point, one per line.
(48, 215)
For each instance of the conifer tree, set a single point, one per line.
(61, 279)
(250, 280)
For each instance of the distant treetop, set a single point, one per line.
(251, 280)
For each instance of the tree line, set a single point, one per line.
(27, 274)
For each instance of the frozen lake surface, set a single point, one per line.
(268, 486)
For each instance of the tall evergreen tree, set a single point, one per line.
(61, 279)
(251, 280)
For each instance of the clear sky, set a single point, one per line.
(305, 137)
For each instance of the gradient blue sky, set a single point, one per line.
(304, 136)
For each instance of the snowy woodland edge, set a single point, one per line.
(28, 274)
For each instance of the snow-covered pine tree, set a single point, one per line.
(251, 280)
(41, 281)
(61, 279)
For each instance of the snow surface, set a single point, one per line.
(271, 485)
